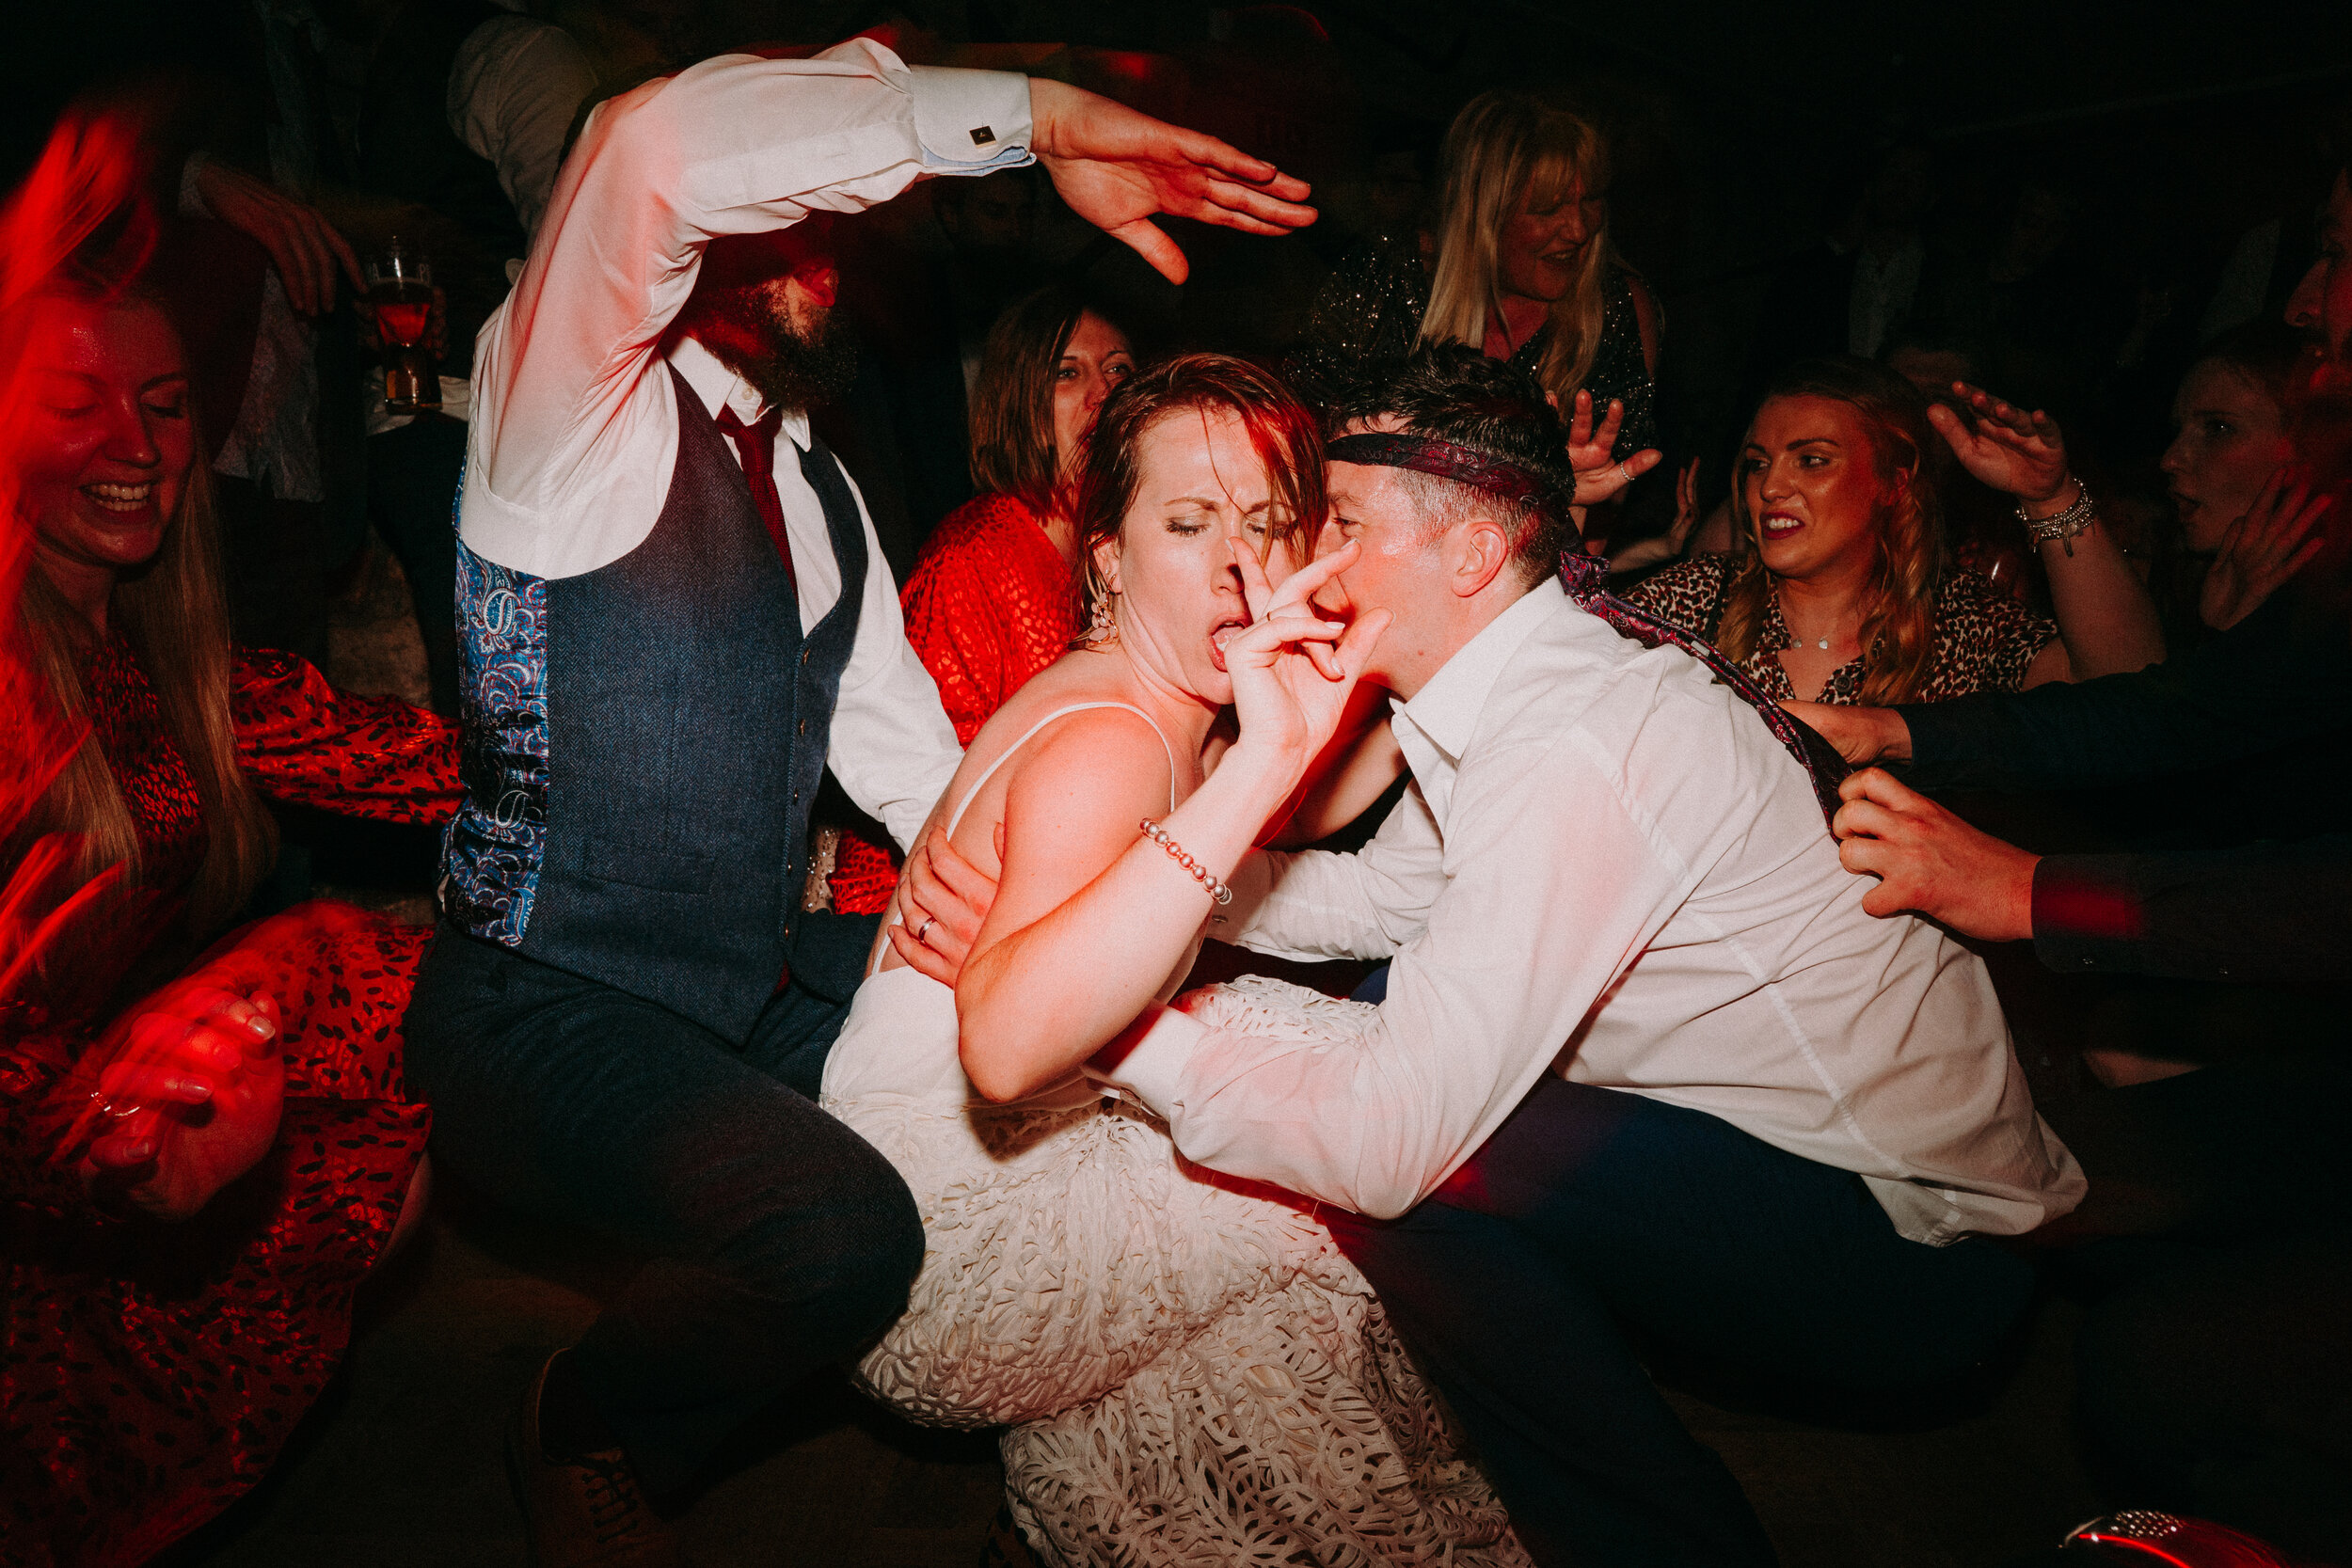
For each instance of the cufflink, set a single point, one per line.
(983, 136)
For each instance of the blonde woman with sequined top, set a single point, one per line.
(1518, 264)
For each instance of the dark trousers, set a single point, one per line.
(1593, 1217)
(781, 1240)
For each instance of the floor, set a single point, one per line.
(400, 1464)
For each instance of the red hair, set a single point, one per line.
(1286, 437)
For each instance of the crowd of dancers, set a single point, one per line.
(1669, 1029)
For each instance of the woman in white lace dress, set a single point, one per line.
(1191, 1371)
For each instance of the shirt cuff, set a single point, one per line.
(1157, 1046)
(2088, 914)
(971, 121)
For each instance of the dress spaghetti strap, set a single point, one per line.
(989, 773)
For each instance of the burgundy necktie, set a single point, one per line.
(1584, 576)
(755, 448)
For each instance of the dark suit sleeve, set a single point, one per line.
(2250, 689)
(2268, 913)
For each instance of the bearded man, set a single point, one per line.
(675, 617)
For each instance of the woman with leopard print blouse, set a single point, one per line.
(1839, 588)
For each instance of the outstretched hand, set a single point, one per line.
(1930, 862)
(2262, 551)
(1117, 167)
(1291, 669)
(2019, 453)
(1599, 476)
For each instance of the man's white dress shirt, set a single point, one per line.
(1607, 866)
(575, 420)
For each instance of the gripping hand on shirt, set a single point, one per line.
(1931, 863)
(1117, 168)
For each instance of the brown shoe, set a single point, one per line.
(586, 1511)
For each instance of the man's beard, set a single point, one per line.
(789, 368)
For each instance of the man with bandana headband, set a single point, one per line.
(1643, 1057)
(674, 618)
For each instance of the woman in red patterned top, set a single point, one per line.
(194, 1190)
(991, 599)
(1839, 588)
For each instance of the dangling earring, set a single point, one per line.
(1103, 630)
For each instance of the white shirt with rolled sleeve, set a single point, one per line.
(1608, 867)
(575, 420)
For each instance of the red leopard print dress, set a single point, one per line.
(149, 1373)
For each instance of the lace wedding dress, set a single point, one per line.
(1194, 1376)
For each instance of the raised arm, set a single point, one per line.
(736, 145)
(744, 144)
(2106, 622)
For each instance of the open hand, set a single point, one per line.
(2019, 453)
(1117, 167)
(1598, 476)
(2262, 551)
(305, 248)
(942, 903)
(1930, 862)
(191, 1097)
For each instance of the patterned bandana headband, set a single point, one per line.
(1426, 454)
(1584, 579)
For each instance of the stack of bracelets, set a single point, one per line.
(2061, 526)
(1201, 874)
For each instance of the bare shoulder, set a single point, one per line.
(1061, 769)
(1113, 755)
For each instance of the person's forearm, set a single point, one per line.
(2234, 695)
(2268, 913)
(1048, 996)
(1358, 774)
(2104, 614)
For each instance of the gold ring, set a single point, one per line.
(923, 930)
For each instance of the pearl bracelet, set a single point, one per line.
(2061, 526)
(1201, 874)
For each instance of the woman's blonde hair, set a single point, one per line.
(75, 236)
(1504, 148)
(174, 613)
(1898, 630)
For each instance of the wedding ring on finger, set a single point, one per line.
(923, 930)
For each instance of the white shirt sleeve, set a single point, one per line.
(513, 89)
(1543, 909)
(736, 145)
(892, 745)
(1316, 905)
